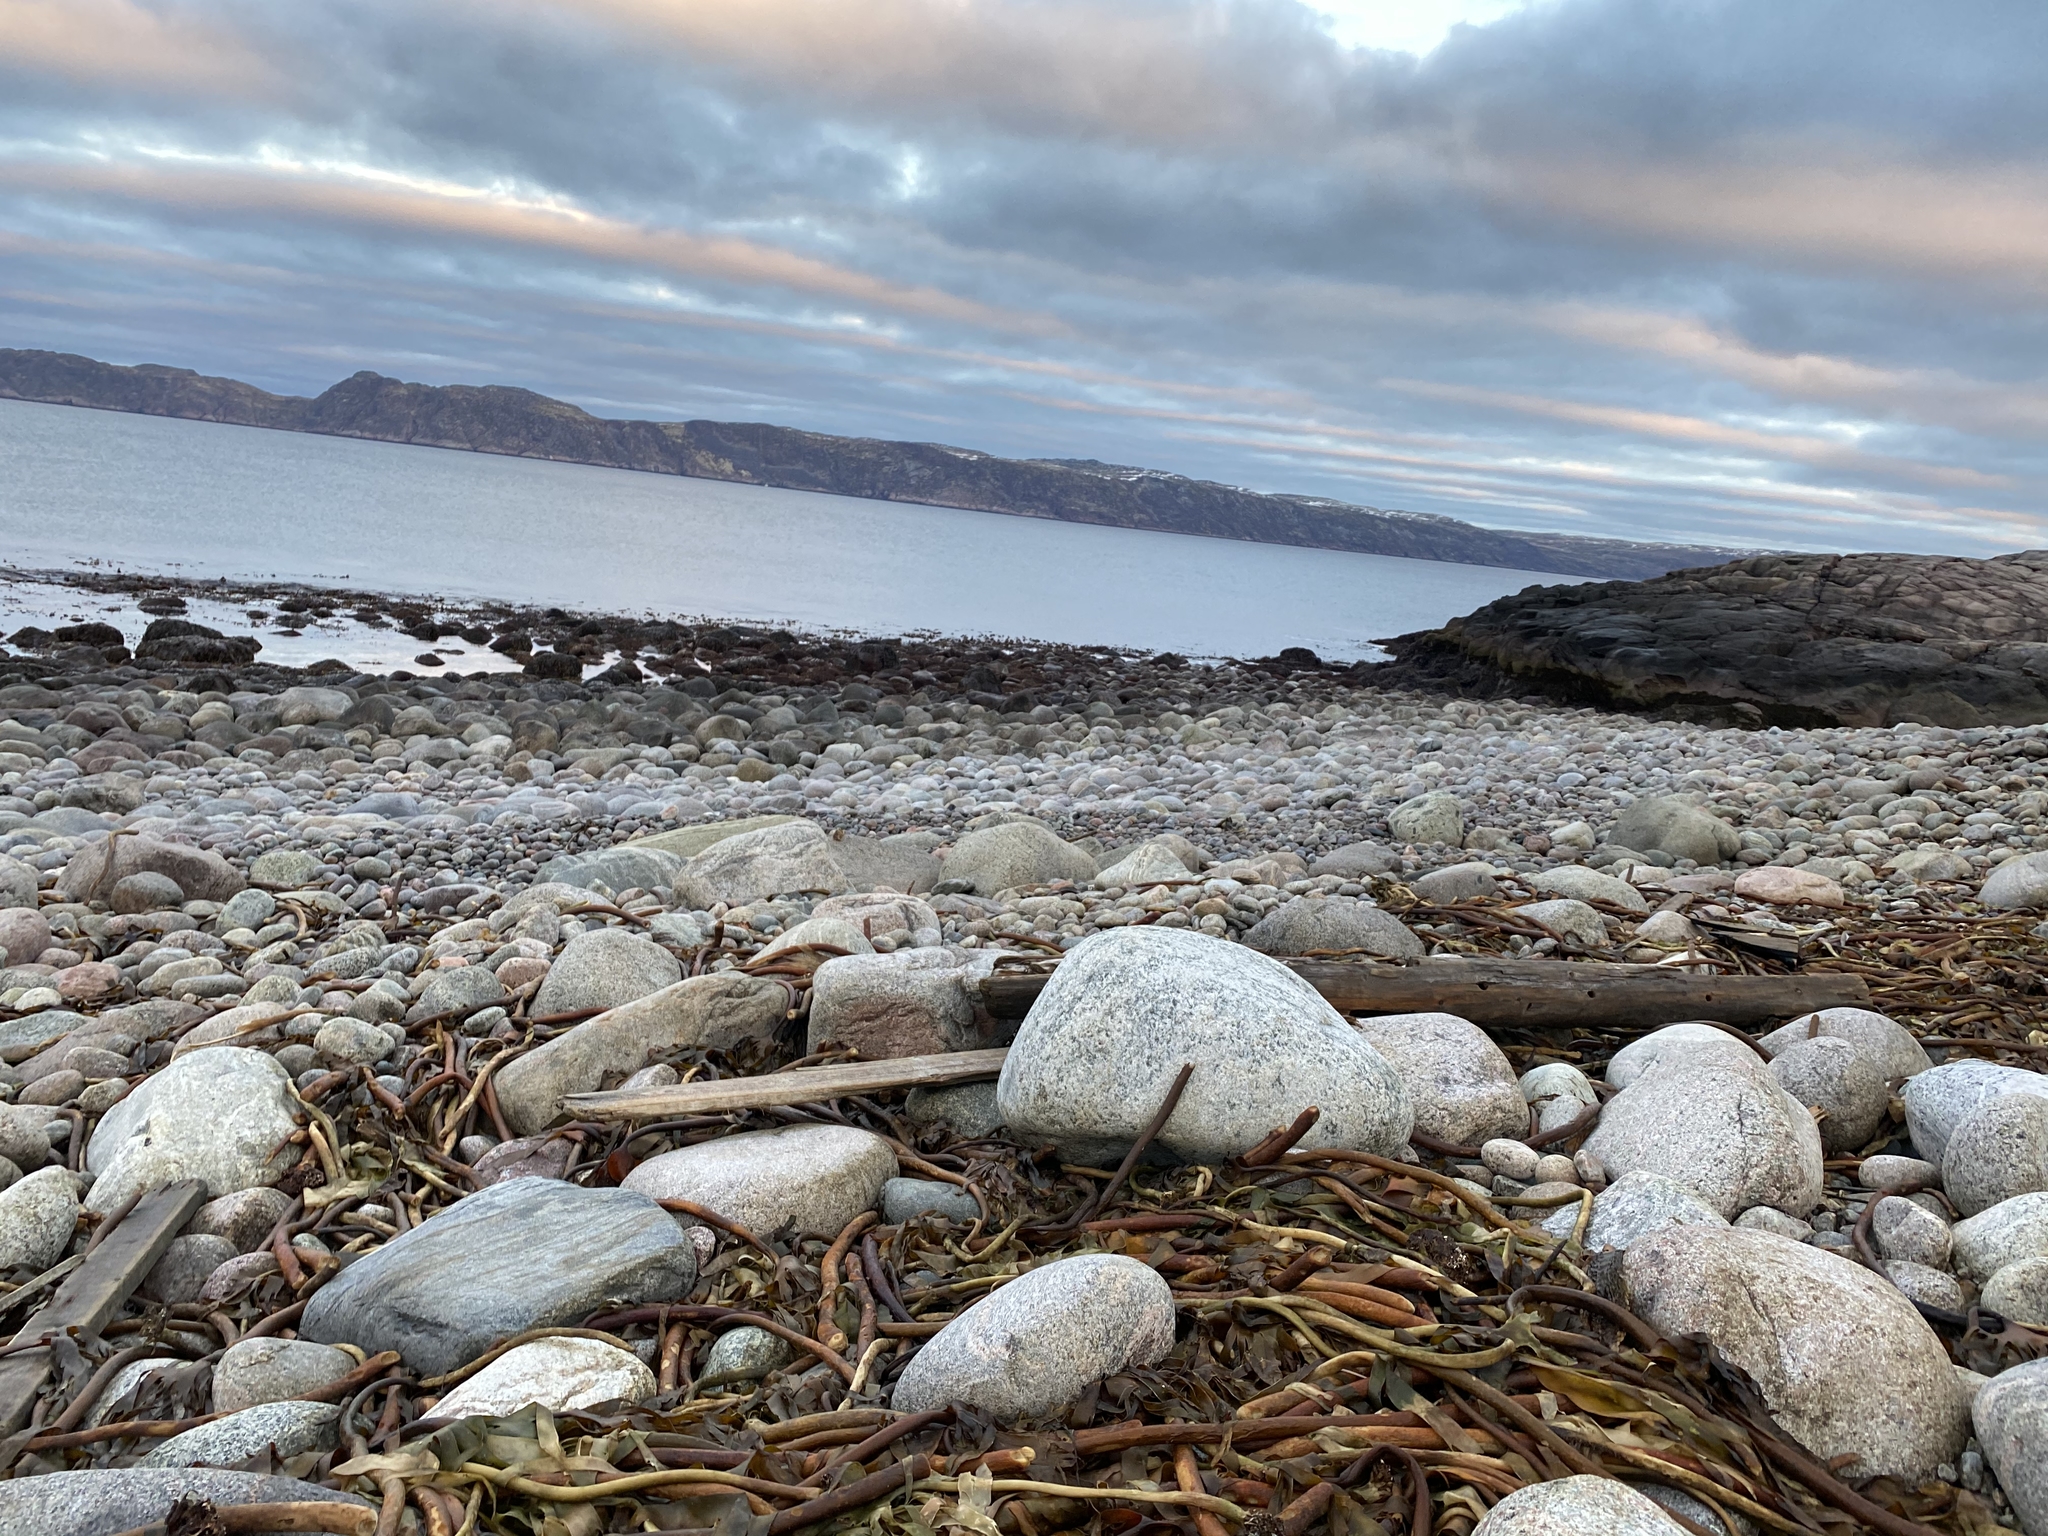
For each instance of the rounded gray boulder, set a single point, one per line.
(1014, 854)
(1999, 1152)
(1668, 824)
(1843, 1360)
(1462, 1087)
(604, 968)
(1342, 924)
(1104, 1041)
(1034, 1346)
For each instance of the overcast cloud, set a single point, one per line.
(1731, 271)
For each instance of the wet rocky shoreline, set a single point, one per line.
(332, 950)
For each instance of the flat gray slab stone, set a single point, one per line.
(113, 1499)
(528, 1253)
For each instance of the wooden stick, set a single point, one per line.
(804, 1085)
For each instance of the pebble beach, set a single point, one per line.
(322, 899)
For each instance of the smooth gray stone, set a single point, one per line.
(904, 1199)
(2011, 1420)
(1832, 1075)
(1668, 824)
(1431, 818)
(743, 1354)
(1310, 923)
(604, 968)
(113, 1499)
(1105, 1039)
(1357, 861)
(1843, 1360)
(286, 869)
(390, 804)
(1014, 854)
(969, 1108)
(704, 1011)
(267, 1370)
(915, 1002)
(1997, 1152)
(1631, 1208)
(1942, 1098)
(1577, 1506)
(185, 1266)
(815, 1177)
(1455, 882)
(1886, 1043)
(466, 986)
(770, 861)
(290, 1427)
(1033, 1346)
(527, 1253)
(618, 869)
(1462, 1087)
(1721, 1127)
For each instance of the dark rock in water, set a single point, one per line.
(527, 1253)
(1793, 640)
(555, 664)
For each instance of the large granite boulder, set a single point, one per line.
(527, 1253)
(1106, 1037)
(1843, 1360)
(1035, 1345)
(617, 869)
(715, 1012)
(2019, 884)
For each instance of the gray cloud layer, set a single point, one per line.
(1719, 270)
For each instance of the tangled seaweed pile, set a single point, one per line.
(1363, 1344)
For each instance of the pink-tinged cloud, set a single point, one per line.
(125, 44)
(394, 207)
(1801, 204)
(1784, 447)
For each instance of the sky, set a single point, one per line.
(1723, 271)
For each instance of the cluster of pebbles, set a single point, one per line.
(228, 890)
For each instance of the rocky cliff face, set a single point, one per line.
(493, 419)
(1777, 639)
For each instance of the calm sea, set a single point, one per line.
(199, 499)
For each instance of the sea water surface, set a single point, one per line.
(199, 499)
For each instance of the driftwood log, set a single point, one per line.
(1536, 994)
(1493, 993)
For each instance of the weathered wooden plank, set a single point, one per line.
(96, 1289)
(1536, 994)
(804, 1085)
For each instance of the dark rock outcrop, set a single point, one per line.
(517, 422)
(1776, 639)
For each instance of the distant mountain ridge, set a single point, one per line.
(519, 423)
